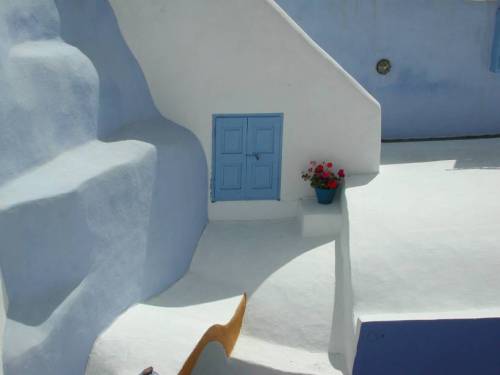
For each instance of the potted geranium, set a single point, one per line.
(324, 180)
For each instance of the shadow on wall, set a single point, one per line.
(179, 213)
(124, 96)
(74, 260)
(38, 253)
(45, 86)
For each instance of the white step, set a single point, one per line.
(320, 219)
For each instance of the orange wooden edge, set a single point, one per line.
(224, 334)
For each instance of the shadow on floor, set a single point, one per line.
(468, 154)
(237, 257)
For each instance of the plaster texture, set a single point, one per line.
(44, 263)
(250, 57)
(287, 326)
(320, 220)
(87, 228)
(179, 211)
(35, 75)
(423, 239)
(456, 240)
(127, 111)
(124, 96)
(440, 84)
(101, 244)
(69, 248)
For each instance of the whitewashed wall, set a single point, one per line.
(240, 56)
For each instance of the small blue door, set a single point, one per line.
(247, 157)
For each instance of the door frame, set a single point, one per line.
(215, 116)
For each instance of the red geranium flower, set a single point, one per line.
(319, 169)
(326, 174)
(329, 164)
(332, 184)
(341, 173)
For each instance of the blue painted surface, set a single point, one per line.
(247, 157)
(179, 212)
(33, 77)
(325, 196)
(495, 49)
(72, 262)
(230, 158)
(434, 347)
(127, 111)
(264, 163)
(124, 96)
(440, 83)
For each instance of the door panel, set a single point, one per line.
(263, 161)
(230, 158)
(261, 175)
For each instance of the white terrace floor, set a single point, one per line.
(425, 232)
(290, 283)
(424, 239)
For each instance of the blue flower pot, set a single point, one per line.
(325, 196)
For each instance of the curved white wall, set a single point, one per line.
(239, 56)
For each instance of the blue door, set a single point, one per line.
(247, 157)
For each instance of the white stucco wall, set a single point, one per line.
(240, 56)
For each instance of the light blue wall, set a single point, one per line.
(180, 195)
(74, 257)
(124, 97)
(36, 70)
(440, 84)
(127, 111)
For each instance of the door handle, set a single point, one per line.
(255, 154)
